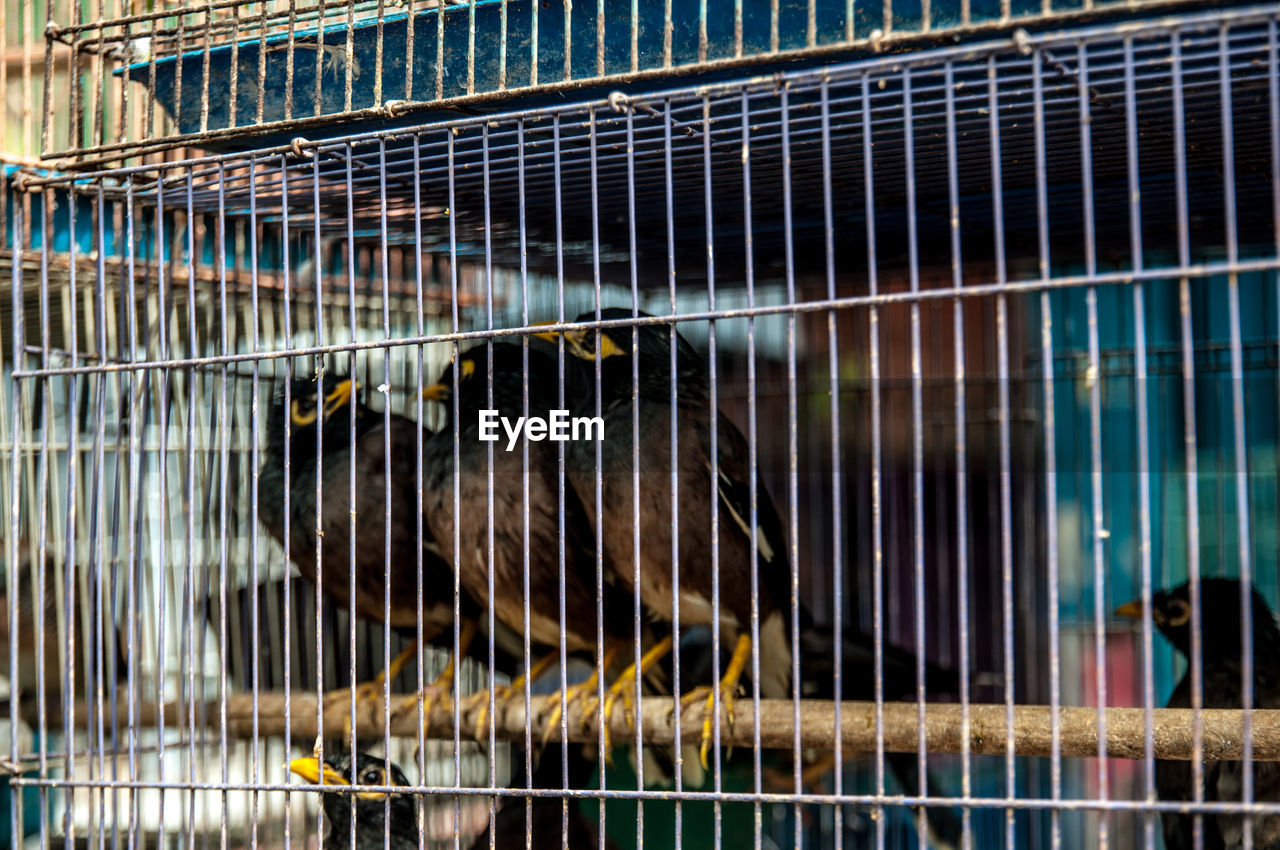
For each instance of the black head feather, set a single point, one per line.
(1220, 619)
(380, 818)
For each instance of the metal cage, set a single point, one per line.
(998, 324)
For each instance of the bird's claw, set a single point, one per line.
(706, 695)
(560, 703)
(366, 694)
(433, 694)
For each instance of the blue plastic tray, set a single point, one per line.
(686, 15)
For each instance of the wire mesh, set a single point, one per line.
(985, 343)
(233, 74)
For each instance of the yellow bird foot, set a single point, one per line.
(559, 707)
(368, 695)
(503, 696)
(728, 689)
(622, 689)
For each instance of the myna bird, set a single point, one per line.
(545, 826)
(857, 682)
(1221, 653)
(382, 819)
(546, 547)
(650, 348)
(325, 408)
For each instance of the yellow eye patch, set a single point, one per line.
(609, 348)
(467, 368)
(299, 417)
(1179, 612)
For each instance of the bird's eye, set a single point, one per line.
(1179, 613)
(372, 776)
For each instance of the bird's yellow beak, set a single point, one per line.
(549, 336)
(339, 396)
(1133, 610)
(436, 392)
(312, 770)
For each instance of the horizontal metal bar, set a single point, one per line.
(1170, 275)
(1217, 807)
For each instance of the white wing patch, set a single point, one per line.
(762, 543)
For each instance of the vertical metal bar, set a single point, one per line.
(753, 459)
(635, 39)
(39, 568)
(286, 437)
(737, 30)
(713, 481)
(635, 450)
(674, 479)
(557, 152)
(525, 520)
(349, 68)
(134, 452)
(877, 466)
(1144, 456)
(189, 515)
(533, 43)
(1094, 382)
(1189, 424)
(1239, 433)
(502, 47)
(1006, 476)
(598, 495)
(347, 156)
(668, 26)
(1050, 451)
(70, 609)
(837, 466)
(224, 460)
(15, 494)
(385, 389)
(490, 524)
(525, 508)
(568, 41)
(457, 477)
(380, 16)
(962, 463)
(440, 57)
(418, 437)
(702, 30)
(599, 448)
(471, 45)
(600, 40)
(254, 346)
(318, 372)
(917, 444)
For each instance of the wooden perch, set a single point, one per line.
(1222, 728)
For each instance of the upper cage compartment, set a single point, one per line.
(233, 75)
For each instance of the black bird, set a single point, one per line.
(326, 407)
(651, 349)
(857, 682)
(1221, 652)
(394, 816)
(382, 818)
(546, 814)
(544, 546)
